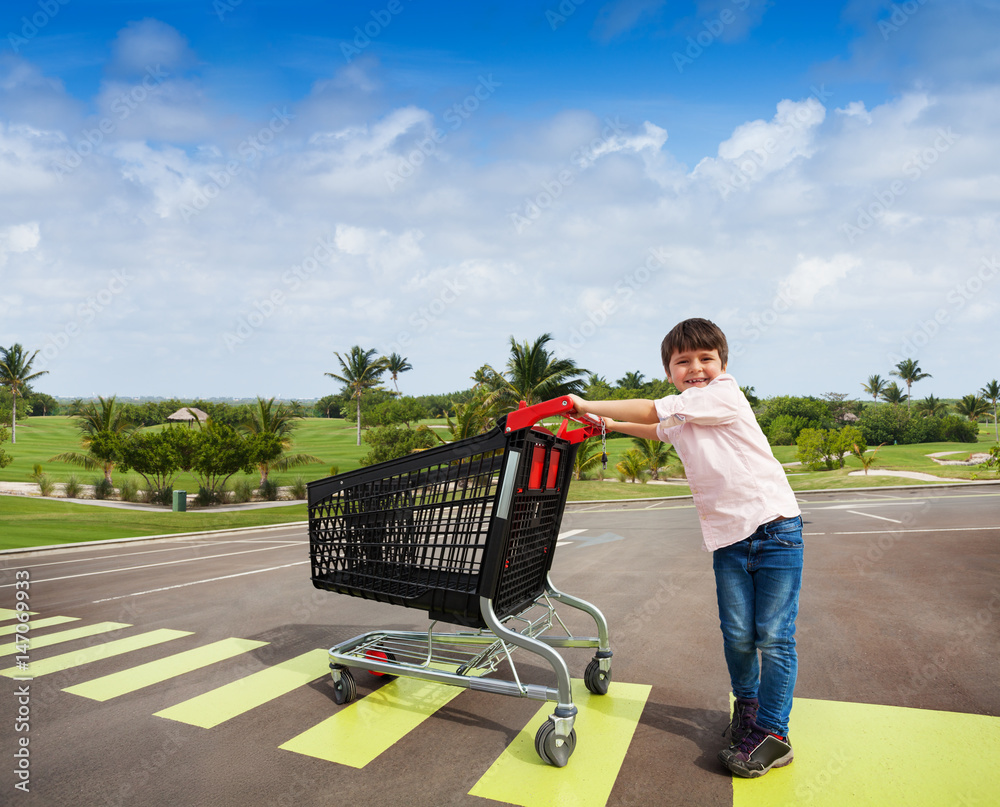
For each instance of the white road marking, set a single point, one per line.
(196, 582)
(880, 518)
(149, 565)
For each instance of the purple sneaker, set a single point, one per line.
(744, 712)
(756, 753)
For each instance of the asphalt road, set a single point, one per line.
(900, 608)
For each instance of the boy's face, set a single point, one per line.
(694, 368)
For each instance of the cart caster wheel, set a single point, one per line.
(596, 680)
(379, 655)
(345, 690)
(545, 745)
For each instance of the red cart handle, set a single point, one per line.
(526, 416)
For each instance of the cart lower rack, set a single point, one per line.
(467, 532)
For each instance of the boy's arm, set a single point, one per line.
(638, 411)
(636, 416)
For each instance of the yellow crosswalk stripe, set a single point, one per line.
(34, 624)
(64, 636)
(869, 755)
(219, 705)
(604, 728)
(10, 613)
(155, 672)
(362, 730)
(97, 652)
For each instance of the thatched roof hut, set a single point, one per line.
(188, 415)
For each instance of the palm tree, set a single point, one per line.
(15, 373)
(103, 423)
(654, 453)
(891, 393)
(991, 392)
(279, 420)
(632, 467)
(588, 455)
(534, 374)
(360, 372)
(396, 364)
(875, 386)
(909, 370)
(972, 407)
(631, 380)
(932, 406)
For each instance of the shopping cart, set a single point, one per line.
(465, 531)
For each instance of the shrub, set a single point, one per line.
(103, 489)
(785, 429)
(812, 451)
(269, 490)
(208, 496)
(161, 495)
(128, 490)
(393, 442)
(959, 430)
(72, 487)
(299, 490)
(243, 490)
(45, 485)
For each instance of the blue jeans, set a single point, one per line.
(757, 581)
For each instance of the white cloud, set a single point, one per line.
(758, 236)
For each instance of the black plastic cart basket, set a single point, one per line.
(466, 532)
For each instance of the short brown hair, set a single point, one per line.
(694, 334)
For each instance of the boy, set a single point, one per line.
(750, 521)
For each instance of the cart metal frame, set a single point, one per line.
(388, 533)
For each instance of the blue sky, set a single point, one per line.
(210, 198)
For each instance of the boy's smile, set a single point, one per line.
(694, 368)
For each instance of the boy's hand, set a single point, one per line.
(579, 405)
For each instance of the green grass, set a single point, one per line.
(37, 522)
(32, 522)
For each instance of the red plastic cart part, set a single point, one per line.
(527, 416)
(376, 655)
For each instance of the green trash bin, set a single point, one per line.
(180, 501)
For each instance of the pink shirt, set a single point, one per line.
(736, 481)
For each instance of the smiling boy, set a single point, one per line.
(750, 522)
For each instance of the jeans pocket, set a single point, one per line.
(788, 533)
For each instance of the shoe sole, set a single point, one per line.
(740, 768)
